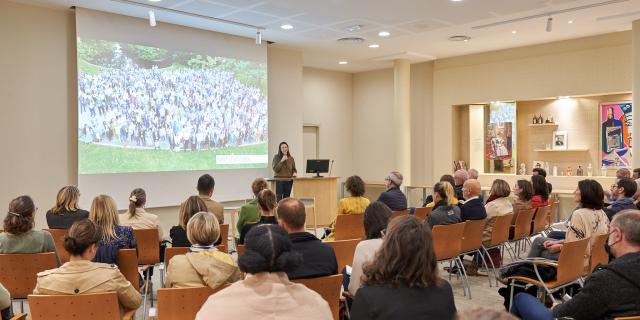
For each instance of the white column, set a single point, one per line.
(402, 117)
(635, 160)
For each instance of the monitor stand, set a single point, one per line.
(318, 175)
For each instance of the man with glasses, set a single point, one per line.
(393, 197)
(622, 192)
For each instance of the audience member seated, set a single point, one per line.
(401, 281)
(206, 184)
(473, 174)
(611, 291)
(428, 202)
(543, 173)
(523, 192)
(66, 211)
(540, 191)
(136, 217)
(266, 290)
(188, 208)
(499, 206)
(376, 218)
(355, 204)
(5, 303)
(80, 275)
(393, 197)
(473, 208)
(622, 192)
(104, 214)
(266, 205)
(459, 177)
(18, 235)
(204, 265)
(636, 178)
(587, 221)
(445, 210)
(249, 212)
(318, 259)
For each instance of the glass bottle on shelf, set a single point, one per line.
(534, 119)
(555, 171)
(603, 171)
(590, 170)
(579, 171)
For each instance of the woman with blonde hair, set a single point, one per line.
(66, 211)
(104, 213)
(178, 234)
(136, 217)
(266, 204)
(445, 210)
(203, 265)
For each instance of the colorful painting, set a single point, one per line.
(498, 143)
(616, 121)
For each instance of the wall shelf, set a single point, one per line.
(565, 150)
(543, 125)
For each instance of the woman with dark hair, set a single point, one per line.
(402, 282)
(191, 206)
(540, 191)
(136, 217)
(284, 167)
(18, 235)
(80, 275)
(355, 204)
(523, 191)
(66, 211)
(586, 221)
(266, 290)
(266, 205)
(376, 218)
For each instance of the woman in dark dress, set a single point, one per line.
(66, 211)
(266, 205)
(178, 234)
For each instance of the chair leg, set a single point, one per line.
(493, 266)
(484, 262)
(465, 279)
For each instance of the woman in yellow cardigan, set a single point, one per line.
(355, 204)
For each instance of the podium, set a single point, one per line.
(325, 192)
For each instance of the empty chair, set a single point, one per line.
(329, 288)
(95, 306)
(58, 237)
(349, 226)
(183, 303)
(422, 213)
(344, 250)
(18, 272)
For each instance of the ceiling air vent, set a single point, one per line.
(351, 40)
(459, 38)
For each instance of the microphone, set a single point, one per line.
(331, 168)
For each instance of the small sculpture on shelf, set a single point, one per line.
(579, 171)
(523, 169)
(569, 171)
(590, 170)
(555, 171)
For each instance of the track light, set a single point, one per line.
(152, 18)
(258, 37)
(549, 24)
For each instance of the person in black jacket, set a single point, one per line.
(318, 259)
(401, 281)
(460, 177)
(611, 291)
(622, 192)
(393, 197)
(473, 208)
(66, 211)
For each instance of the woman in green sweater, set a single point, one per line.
(249, 212)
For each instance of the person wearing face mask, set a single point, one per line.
(611, 291)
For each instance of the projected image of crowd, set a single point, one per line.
(179, 109)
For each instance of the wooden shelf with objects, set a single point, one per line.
(562, 150)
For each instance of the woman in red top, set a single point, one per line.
(540, 191)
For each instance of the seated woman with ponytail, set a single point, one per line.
(18, 235)
(136, 217)
(80, 275)
(266, 290)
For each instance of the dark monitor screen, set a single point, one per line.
(317, 166)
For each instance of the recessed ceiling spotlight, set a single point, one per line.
(343, 62)
(459, 38)
(570, 21)
(155, 0)
(354, 28)
(456, 0)
(563, 97)
(514, 31)
(286, 26)
(384, 33)
(374, 46)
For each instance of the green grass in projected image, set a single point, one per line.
(104, 159)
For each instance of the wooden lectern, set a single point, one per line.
(325, 192)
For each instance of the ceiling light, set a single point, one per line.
(374, 46)
(563, 97)
(570, 21)
(549, 24)
(384, 33)
(258, 37)
(343, 62)
(152, 18)
(354, 28)
(456, 0)
(514, 31)
(459, 38)
(286, 26)
(155, 0)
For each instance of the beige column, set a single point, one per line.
(402, 117)
(635, 160)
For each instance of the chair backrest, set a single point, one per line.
(224, 238)
(553, 205)
(422, 212)
(447, 240)
(472, 235)
(183, 303)
(95, 306)
(523, 224)
(240, 249)
(627, 318)
(328, 288)
(539, 223)
(571, 260)
(128, 265)
(598, 253)
(399, 213)
(349, 226)
(173, 251)
(344, 250)
(58, 239)
(500, 230)
(18, 272)
(148, 246)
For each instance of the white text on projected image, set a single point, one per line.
(146, 109)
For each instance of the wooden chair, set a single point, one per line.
(148, 256)
(521, 230)
(173, 251)
(349, 226)
(95, 306)
(570, 267)
(20, 316)
(328, 288)
(422, 213)
(224, 238)
(183, 303)
(598, 254)
(240, 249)
(540, 220)
(499, 237)
(58, 239)
(344, 250)
(404, 212)
(18, 272)
(447, 243)
(472, 240)
(128, 266)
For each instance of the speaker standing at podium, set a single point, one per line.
(283, 167)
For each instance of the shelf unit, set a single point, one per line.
(543, 125)
(561, 150)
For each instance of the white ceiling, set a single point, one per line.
(419, 28)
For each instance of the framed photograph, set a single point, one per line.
(559, 141)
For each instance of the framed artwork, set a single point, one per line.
(499, 141)
(559, 141)
(616, 136)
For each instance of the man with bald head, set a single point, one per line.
(473, 208)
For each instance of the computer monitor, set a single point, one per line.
(317, 166)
